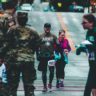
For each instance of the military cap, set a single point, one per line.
(47, 25)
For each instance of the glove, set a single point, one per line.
(57, 56)
(80, 49)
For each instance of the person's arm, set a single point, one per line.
(68, 48)
(36, 43)
(58, 53)
(38, 48)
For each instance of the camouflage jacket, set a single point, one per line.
(22, 43)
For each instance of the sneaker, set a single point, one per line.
(44, 89)
(57, 85)
(61, 84)
(50, 87)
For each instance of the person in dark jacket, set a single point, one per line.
(22, 43)
(46, 53)
(89, 23)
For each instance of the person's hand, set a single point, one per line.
(66, 51)
(80, 49)
(94, 92)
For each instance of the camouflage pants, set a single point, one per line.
(28, 76)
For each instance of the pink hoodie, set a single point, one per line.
(64, 44)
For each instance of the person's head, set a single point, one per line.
(61, 34)
(47, 28)
(22, 18)
(9, 7)
(89, 21)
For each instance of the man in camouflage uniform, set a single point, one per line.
(22, 44)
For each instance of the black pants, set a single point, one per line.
(91, 80)
(43, 67)
(60, 66)
(28, 76)
(51, 76)
(3, 89)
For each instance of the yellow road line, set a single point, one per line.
(63, 26)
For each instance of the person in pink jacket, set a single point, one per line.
(61, 62)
